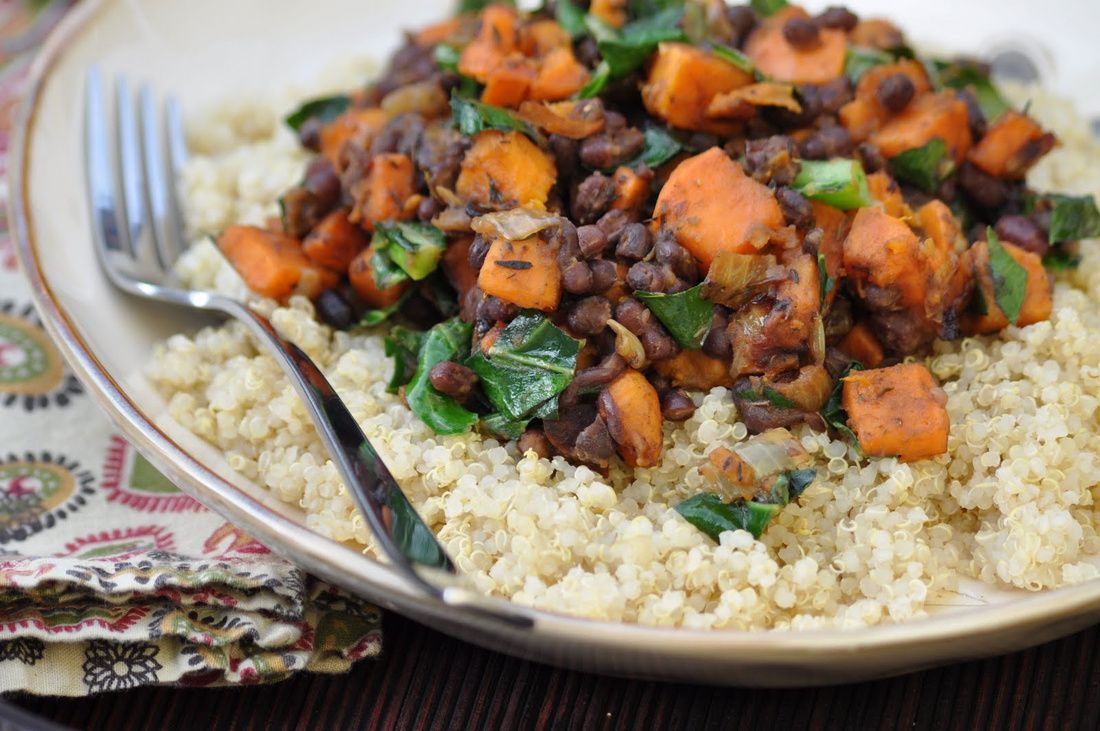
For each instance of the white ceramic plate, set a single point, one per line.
(205, 50)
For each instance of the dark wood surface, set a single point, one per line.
(427, 680)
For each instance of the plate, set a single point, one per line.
(205, 50)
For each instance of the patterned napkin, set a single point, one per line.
(110, 577)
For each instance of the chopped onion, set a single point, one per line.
(817, 340)
(740, 103)
(731, 275)
(573, 119)
(772, 452)
(448, 196)
(425, 97)
(453, 220)
(515, 224)
(628, 345)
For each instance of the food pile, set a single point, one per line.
(571, 220)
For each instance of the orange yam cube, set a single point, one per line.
(335, 241)
(382, 194)
(1011, 146)
(362, 281)
(834, 224)
(939, 223)
(631, 189)
(929, 116)
(682, 83)
(695, 370)
(1038, 295)
(358, 126)
(509, 83)
(712, 206)
(495, 41)
(560, 76)
(612, 12)
(882, 250)
(505, 169)
(862, 345)
(272, 264)
(632, 409)
(543, 36)
(779, 60)
(864, 114)
(897, 411)
(524, 273)
(438, 32)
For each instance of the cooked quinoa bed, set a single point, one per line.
(1011, 504)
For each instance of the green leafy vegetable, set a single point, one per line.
(1073, 218)
(768, 394)
(476, 6)
(962, 75)
(449, 340)
(531, 362)
(414, 247)
(386, 272)
(925, 167)
(737, 58)
(644, 8)
(371, 318)
(626, 50)
(1009, 278)
(403, 345)
(686, 314)
(1060, 261)
(660, 147)
(768, 8)
(859, 59)
(471, 117)
(833, 412)
(601, 76)
(570, 18)
(709, 514)
(501, 426)
(827, 283)
(325, 109)
(839, 183)
(446, 57)
(798, 481)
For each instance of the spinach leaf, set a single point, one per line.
(628, 49)
(925, 167)
(326, 109)
(531, 362)
(644, 8)
(570, 18)
(371, 318)
(386, 272)
(446, 57)
(858, 59)
(1060, 261)
(686, 314)
(660, 147)
(601, 77)
(709, 514)
(1073, 218)
(798, 481)
(414, 247)
(449, 340)
(471, 117)
(827, 283)
(1009, 278)
(962, 75)
(476, 6)
(737, 58)
(403, 345)
(833, 411)
(768, 8)
(840, 183)
(501, 426)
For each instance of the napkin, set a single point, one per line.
(110, 577)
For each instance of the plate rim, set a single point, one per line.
(303, 546)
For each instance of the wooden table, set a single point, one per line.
(428, 680)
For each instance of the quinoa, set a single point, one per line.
(1010, 504)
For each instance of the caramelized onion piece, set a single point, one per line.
(515, 224)
(573, 119)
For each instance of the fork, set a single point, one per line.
(138, 236)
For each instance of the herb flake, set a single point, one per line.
(925, 167)
(325, 109)
(1009, 278)
(471, 117)
(686, 315)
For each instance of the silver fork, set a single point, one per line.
(138, 236)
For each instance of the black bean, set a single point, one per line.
(895, 92)
(827, 142)
(648, 276)
(635, 242)
(870, 157)
(633, 315)
(838, 320)
(801, 33)
(611, 147)
(335, 309)
(592, 241)
(565, 236)
(658, 344)
(717, 343)
(453, 379)
(478, 250)
(309, 134)
(494, 308)
(534, 440)
(703, 141)
(594, 445)
(612, 223)
(587, 51)
(566, 159)
(796, 208)
(590, 315)
(593, 198)
(577, 278)
(1023, 232)
(679, 259)
(772, 159)
(835, 94)
(742, 18)
(838, 17)
(428, 209)
(604, 274)
(676, 405)
(982, 188)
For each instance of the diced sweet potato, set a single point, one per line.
(899, 410)
(885, 252)
(876, 33)
(505, 169)
(939, 223)
(729, 465)
(381, 195)
(631, 189)
(886, 191)
(695, 370)
(834, 224)
(560, 76)
(867, 86)
(712, 206)
(632, 409)
(456, 266)
(683, 81)
(509, 83)
(437, 33)
(1012, 145)
(790, 323)
(543, 36)
(335, 241)
(525, 273)
(495, 41)
(358, 126)
(862, 345)
(781, 61)
(612, 12)
(864, 114)
(272, 264)
(1038, 295)
(928, 116)
(362, 281)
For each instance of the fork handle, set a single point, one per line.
(402, 534)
